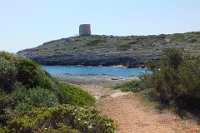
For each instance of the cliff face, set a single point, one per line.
(130, 51)
(93, 59)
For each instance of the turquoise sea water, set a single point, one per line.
(95, 70)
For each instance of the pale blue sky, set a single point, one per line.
(29, 23)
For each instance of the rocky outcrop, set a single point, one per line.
(130, 51)
(93, 59)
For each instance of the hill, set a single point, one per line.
(130, 51)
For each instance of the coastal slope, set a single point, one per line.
(129, 51)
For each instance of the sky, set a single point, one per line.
(29, 23)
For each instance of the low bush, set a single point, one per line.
(7, 74)
(75, 96)
(31, 101)
(22, 99)
(193, 40)
(61, 128)
(176, 83)
(134, 86)
(95, 42)
(28, 72)
(37, 97)
(84, 120)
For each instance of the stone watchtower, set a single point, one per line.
(84, 30)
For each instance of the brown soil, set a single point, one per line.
(132, 115)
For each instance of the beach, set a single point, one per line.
(102, 80)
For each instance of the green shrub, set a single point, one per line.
(8, 56)
(178, 38)
(7, 74)
(178, 80)
(124, 46)
(193, 40)
(40, 97)
(30, 74)
(30, 101)
(151, 65)
(61, 128)
(4, 130)
(134, 86)
(95, 42)
(171, 58)
(37, 97)
(75, 96)
(85, 120)
(27, 72)
(22, 99)
(189, 77)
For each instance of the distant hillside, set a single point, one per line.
(130, 51)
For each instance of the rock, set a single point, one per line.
(119, 93)
(95, 50)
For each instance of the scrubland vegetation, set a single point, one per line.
(175, 82)
(32, 101)
(153, 44)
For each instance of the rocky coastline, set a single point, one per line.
(94, 59)
(95, 50)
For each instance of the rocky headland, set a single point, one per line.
(94, 50)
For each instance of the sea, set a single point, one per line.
(96, 70)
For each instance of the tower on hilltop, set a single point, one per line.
(84, 30)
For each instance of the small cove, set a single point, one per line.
(96, 70)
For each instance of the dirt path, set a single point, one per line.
(134, 116)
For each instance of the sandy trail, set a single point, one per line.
(132, 115)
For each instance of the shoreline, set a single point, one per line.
(103, 80)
